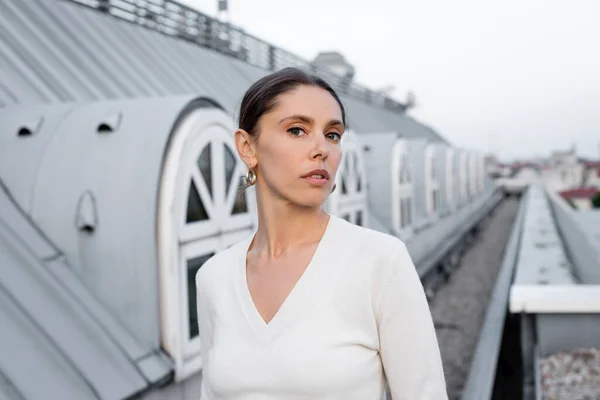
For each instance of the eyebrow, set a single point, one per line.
(309, 120)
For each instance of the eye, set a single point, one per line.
(296, 131)
(335, 136)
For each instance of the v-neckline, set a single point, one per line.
(295, 299)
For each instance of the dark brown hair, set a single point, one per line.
(261, 97)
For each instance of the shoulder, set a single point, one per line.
(220, 266)
(385, 258)
(370, 245)
(381, 259)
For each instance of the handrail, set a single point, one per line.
(177, 20)
(482, 372)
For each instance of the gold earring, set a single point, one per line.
(250, 176)
(334, 186)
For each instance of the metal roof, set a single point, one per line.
(589, 222)
(57, 51)
(581, 236)
(542, 257)
(56, 337)
(65, 175)
(67, 69)
(581, 232)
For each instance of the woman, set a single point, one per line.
(309, 306)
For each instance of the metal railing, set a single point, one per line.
(177, 20)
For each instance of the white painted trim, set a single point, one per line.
(472, 174)
(402, 191)
(463, 176)
(340, 203)
(432, 183)
(191, 346)
(189, 368)
(198, 127)
(481, 173)
(568, 298)
(450, 178)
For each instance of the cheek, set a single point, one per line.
(279, 160)
(335, 157)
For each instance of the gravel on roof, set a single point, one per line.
(459, 307)
(571, 375)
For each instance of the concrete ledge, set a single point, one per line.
(538, 299)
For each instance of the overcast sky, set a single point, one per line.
(516, 77)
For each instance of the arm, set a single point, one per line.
(408, 344)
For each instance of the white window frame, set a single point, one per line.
(351, 171)
(450, 178)
(402, 191)
(463, 176)
(351, 215)
(472, 174)
(432, 181)
(178, 242)
(218, 209)
(481, 171)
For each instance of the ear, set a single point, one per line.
(246, 147)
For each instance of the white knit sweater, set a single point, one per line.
(357, 316)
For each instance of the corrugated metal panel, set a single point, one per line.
(56, 51)
(8, 391)
(22, 80)
(23, 228)
(580, 232)
(45, 57)
(56, 339)
(589, 222)
(30, 360)
(25, 134)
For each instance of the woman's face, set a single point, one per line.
(298, 150)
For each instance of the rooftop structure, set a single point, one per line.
(119, 178)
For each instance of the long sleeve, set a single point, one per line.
(408, 343)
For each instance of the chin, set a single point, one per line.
(315, 199)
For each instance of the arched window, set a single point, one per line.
(432, 181)
(481, 172)
(349, 200)
(463, 176)
(472, 174)
(402, 185)
(450, 177)
(201, 211)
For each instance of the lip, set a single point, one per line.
(317, 181)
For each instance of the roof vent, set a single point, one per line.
(30, 128)
(86, 217)
(110, 124)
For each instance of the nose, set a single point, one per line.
(320, 148)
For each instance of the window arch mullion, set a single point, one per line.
(203, 192)
(218, 176)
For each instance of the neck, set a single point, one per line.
(283, 225)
